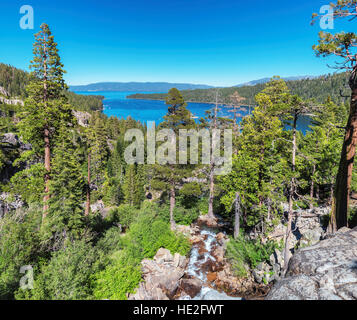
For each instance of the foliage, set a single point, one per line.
(19, 246)
(186, 216)
(124, 215)
(259, 169)
(66, 276)
(117, 280)
(243, 252)
(150, 234)
(146, 235)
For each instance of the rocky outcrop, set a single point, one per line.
(5, 98)
(83, 118)
(3, 92)
(11, 101)
(12, 141)
(9, 203)
(162, 277)
(11, 147)
(308, 227)
(205, 220)
(324, 271)
(266, 273)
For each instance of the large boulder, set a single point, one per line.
(11, 141)
(191, 287)
(324, 271)
(83, 118)
(161, 276)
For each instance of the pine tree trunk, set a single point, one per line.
(212, 165)
(87, 210)
(47, 173)
(172, 206)
(339, 218)
(331, 195)
(312, 189)
(287, 253)
(237, 217)
(211, 194)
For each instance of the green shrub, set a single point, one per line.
(124, 214)
(118, 279)
(150, 235)
(184, 216)
(67, 276)
(352, 218)
(19, 246)
(202, 206)
(242, 253)
(189, 195)
(111, 241)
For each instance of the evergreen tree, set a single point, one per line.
(134, 185)
(65, 215)
(99, 149)
(213, 121)
(169, 176)
(344, 46)
(46, 106)
(258, 168)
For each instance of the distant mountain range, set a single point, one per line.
(265, 80)
(162, 87)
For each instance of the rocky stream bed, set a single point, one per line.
(204, 275)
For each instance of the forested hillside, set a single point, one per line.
(15, 81)
(318, 89)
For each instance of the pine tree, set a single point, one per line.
(65, 214)
(258, 170)
(344, 46)
(99, 149)
(168, 177)
(129, 186)
(213, 121)
(46, 106)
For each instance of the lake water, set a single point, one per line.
(116, 104)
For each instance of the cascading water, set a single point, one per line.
(196, 268)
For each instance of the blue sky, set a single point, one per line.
(216, 42)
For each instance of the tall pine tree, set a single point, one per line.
(46, 106)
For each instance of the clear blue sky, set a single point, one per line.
(216, 42)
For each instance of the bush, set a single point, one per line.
(242, 253)
(67, 276)
(19, 246)
(184, 216)
(124, 215)
(111, 241)
(352, 219)
(118, 279)
(150, 235)
(190, 194)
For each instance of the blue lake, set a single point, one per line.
(116, 104)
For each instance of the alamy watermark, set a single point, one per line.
(327, 17)
(26, 282)
(27, 19)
